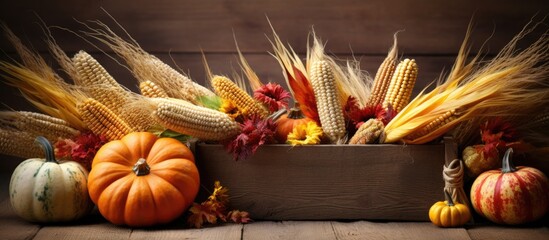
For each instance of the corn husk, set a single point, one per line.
(513, 84)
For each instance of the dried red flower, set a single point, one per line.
(496, 134)
(273, 96)
(359, 115)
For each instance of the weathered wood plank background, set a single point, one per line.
(177, 31)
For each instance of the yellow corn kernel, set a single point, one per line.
(102, 121)
(401, 85)
(368, 132)
(38, 124)
(326, 94)
(200, 122)
(228, 90)
(152, 90)
(432, 126)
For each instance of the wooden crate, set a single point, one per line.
(322, 182)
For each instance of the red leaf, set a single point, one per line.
(255, 132)
(82, 148)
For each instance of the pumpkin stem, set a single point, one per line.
(295, 112)
(47, 147)
(507, 165)
(141, 168)
(449, 200)
(276, 115)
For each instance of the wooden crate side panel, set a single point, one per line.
(329, 182)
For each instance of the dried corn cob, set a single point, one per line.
(38, 124)
(327, 99)
(401, 85)
(98, 83)
(383, 78)
(145, 66)
(152, 90)
(180, 86)
(511, 85)
(540, 121)
(368, 132)
(138, 117)
(102, 87)
(432, 126)
(91, 72)
(200, 122)
(102, 121)
(18, 144)
(228, 90)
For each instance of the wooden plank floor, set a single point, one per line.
(95, 227)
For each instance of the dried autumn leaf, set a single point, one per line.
(214, 208)
(219, 194)
(82, 148)
(239, 216)
(254, 133)
(201, 214)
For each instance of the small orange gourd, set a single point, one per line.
(287, 122)
(141, 180)
(449, 213)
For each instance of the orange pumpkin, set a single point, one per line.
(141, 180)
(511, 195)
(287, 122)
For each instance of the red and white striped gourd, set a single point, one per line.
(45, 190)
(511, 195)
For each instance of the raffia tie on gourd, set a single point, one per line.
(453, 181)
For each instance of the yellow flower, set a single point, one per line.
(305, 134)
(220, 193)
(228, 107)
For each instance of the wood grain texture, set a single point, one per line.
(90, 228)
(392, 230)
(11, 225)
(223, 231)
(289, 230)
(508, 232)
(389, 182)
(365, 26)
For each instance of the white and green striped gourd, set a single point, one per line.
(45, 190)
